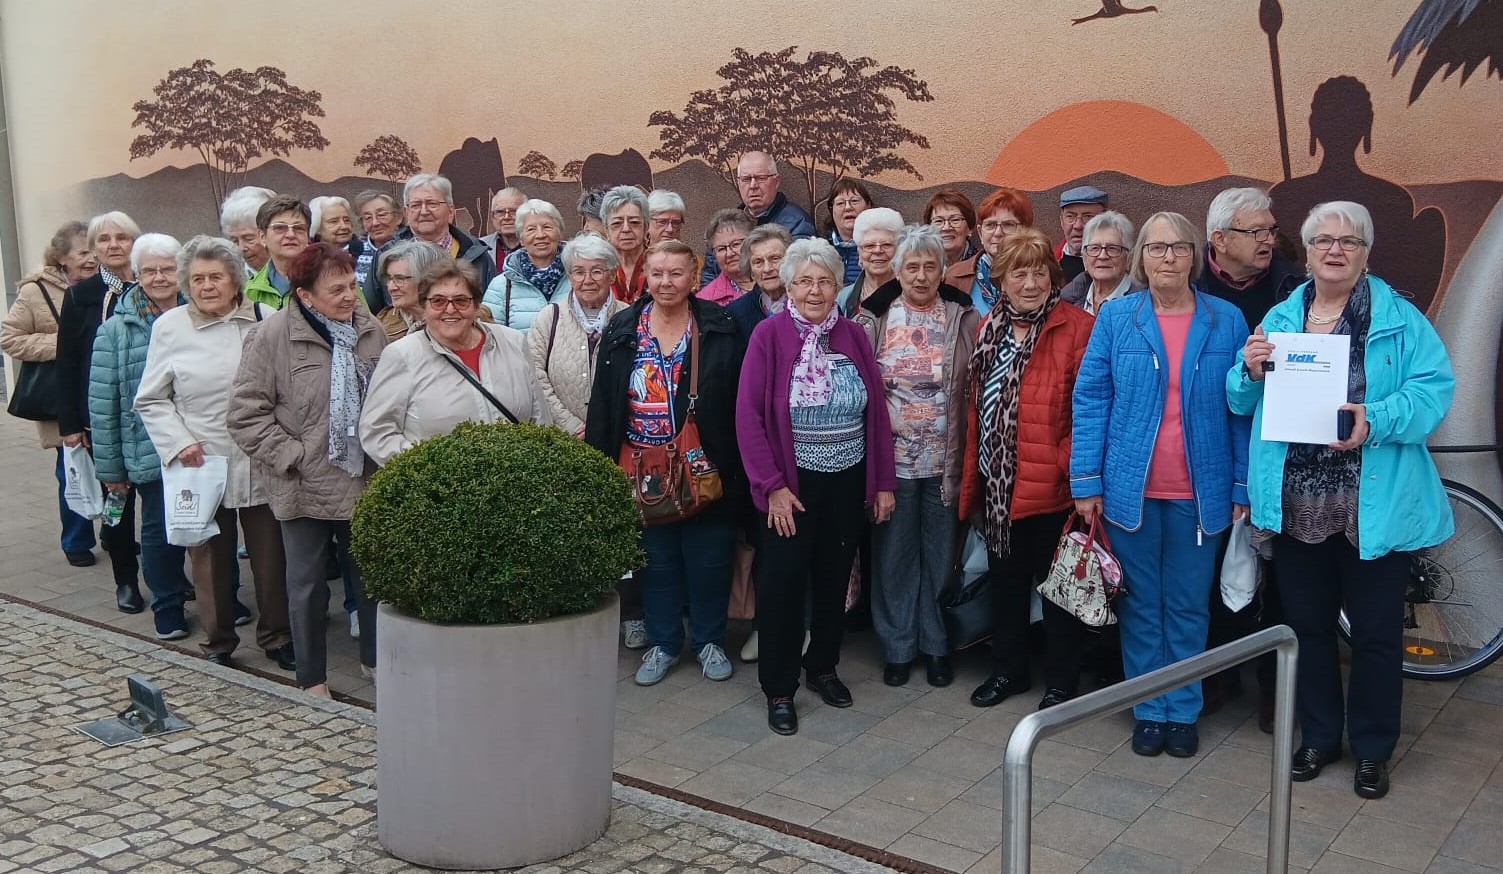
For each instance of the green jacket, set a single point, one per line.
(123, 451)
(260, 290)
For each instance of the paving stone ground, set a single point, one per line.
(912, 771)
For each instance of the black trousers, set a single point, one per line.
(813, 566)
(119, 542)
(1315, 582)
(1014, 578)
(1265, 611)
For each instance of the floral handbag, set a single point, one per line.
(1085, 578)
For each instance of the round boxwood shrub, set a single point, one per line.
(496, 524)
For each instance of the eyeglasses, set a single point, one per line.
(620, 223)
(804, 283)
(730, 248)
(992, 226)
(756, 178)
(377, 216)
(1180, 249)
(874, 248)
(659, 222)
(948, 221)
(580, 273)
(426, 205)
(397, 279)
(1096, 250)
(1324, 242)
(460, 304)
(848, 202)
(504, 210)
(1261, 235)
(281, 229)
(149, 272)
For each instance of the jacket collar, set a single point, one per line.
(1386, 314)
(1201, 323)
(881, 300)
(779, 201)
(623, 328)
(301, 330)
(245, 310)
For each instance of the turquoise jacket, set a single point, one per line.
(123, 451)
(1401, 504)
(515, 302)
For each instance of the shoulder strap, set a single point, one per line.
(552, 332)
(47, 299)
(470, 378)
(506, 305)
(256, 307)
(107, 306)
(693, 364)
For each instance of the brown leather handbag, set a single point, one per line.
(676, 480)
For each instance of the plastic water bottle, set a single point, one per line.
(114, 507)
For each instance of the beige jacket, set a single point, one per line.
(184, 396)
(279, 414)
(567, 375)
(29, 332)
(416, 392)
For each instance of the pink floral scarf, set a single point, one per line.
(811, 373)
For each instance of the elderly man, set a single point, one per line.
(380, 219)
(504, 240)
(283, 222)
(757, 179)
(428, 200)
(1076, 207)
(237, 220)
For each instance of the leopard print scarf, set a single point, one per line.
(999, 445)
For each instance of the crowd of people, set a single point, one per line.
(872, 393)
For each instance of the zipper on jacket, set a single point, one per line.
(1143, 489)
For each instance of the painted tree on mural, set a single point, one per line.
(1451, 35)
(229, 119)
(389, 156)
(573, 169)
(824, 114)
(537, 165)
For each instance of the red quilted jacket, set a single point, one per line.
(1043, 484)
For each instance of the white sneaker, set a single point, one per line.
(634, 634)
(713, 663)
(749, 649)
(655, 665)
(355, 625)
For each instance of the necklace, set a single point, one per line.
(1320, 320)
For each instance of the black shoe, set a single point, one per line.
(895, 673)
(1371, 778)
(1181, 740)
(80, 559)
(189, 594)
(1148, 737)
(1308, 761)
(940, 672)
(830, 689)
(781, 716)
(1265, 711)
(1053, 697)
(284, 657)
(995, 690)
(1212, 695)
(128, 598)
(219, 658)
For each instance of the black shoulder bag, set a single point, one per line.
(35, 396)
(470, 378)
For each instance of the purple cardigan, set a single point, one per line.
(764, 424)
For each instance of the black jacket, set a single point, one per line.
(721, 346)
(85, 307)
(471, 249)
(881, 300)
(1256, 300)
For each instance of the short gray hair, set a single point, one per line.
(1109, 220)
(772, 164)
(438, 183)
(590, 246)
(153, 246)
(1228, 203)
(918, 240)
(878, 218)
(622, 195)
(316, 208)
(805, 252)
(589, 203)
(240, 207)
(508, 191)
(729, 218)
(763, 233)
(419, 255)
(663, 200)
(206, 248)
(1354, 215)
(530, 208)
(371, 194)
(116, 218)
(1187, 231)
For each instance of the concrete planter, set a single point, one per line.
(494, 741)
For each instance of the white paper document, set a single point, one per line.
(1306, 387)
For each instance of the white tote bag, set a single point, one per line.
(81, 490)
(1239, 569)
(190, 498)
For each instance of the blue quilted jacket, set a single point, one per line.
(1119, 403)
(122, 449)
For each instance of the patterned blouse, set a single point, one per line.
(832, 437)
(912, 356)
(653, 385)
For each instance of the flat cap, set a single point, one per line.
(1082, 194)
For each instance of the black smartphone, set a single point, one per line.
(1346, 420)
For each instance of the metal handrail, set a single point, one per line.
(1017, 772)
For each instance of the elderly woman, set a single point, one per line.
(86, 306)
(380, 219)
(665, 216)
(534, 275)
(29, 334)
(848, 198)
(624, 210)
(876, 236)
(954, 216)
(1337, 544)
(1153, 375)
(565, 337)
(922, 331)
(1014, 489)
(814, 436)
(123, 455)
(647, 361)
(332, 220)
(726, 233)
(1002, 212)
(1105, 244)
(296, 412)
(456, 369)
(399, 268)
(183, 400)
(762, 252)
(237, 221)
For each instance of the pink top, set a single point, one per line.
(721, 290)
(1168, 473)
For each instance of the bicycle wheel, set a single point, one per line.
(1453, 609)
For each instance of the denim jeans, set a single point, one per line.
(161, 562)
(687, 562)
(78, 532)
(915, 551)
